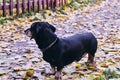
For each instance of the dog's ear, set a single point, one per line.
(51, 27)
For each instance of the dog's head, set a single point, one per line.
(38, 27)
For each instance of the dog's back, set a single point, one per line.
(75, 47)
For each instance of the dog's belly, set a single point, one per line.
(72, 56)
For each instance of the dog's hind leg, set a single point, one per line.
(91, 55)
(90, 58)
(91, 52)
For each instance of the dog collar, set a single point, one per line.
(43, 50)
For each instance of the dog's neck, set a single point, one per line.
(49, 46)
(46, 40)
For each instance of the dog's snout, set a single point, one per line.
(28, 33)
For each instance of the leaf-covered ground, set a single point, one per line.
(19, 54)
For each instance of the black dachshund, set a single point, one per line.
(61, 52)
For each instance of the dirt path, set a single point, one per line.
(18, 53)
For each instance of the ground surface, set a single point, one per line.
(18, 53)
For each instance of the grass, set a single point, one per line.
(4, 20)
(76, 4)
(109, 74)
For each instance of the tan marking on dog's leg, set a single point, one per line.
(58, 75)
(91, 60)
(53, 70)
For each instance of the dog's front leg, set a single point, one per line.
(91, 60)
(53, 69)
(58, 74)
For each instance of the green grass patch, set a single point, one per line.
(4, 20)
(108, 74)
(76, 4)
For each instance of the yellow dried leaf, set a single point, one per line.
(62, 17)
(17, 36)
(1, 12)
(17, 23)
(107, 50)
(75, 24)
(52, 78)
(66, 8)
(78, 66)
(96, 77)
(102, 64)
(117, 58)
(48, 12)
(99, 72)
(110, 61)
(98, 2)
(29, 73)
(68, 1)
(97, 19)
(1, 74)
(12, 28)
(20, 20)
(81, 72)
(17, 69)
(29, 56)
(117, 41)
(91, 77)
(66, 73)
(0, 48)
(92, 68)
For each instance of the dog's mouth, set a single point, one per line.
(28, 33)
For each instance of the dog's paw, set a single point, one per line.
(90, 63)
(91, 66)
(58, 75)
(53, 70)
(58, 78)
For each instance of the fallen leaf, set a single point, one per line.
(29, 74)
(78, 66)
(102, 64)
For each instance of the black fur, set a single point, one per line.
(65, 50)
